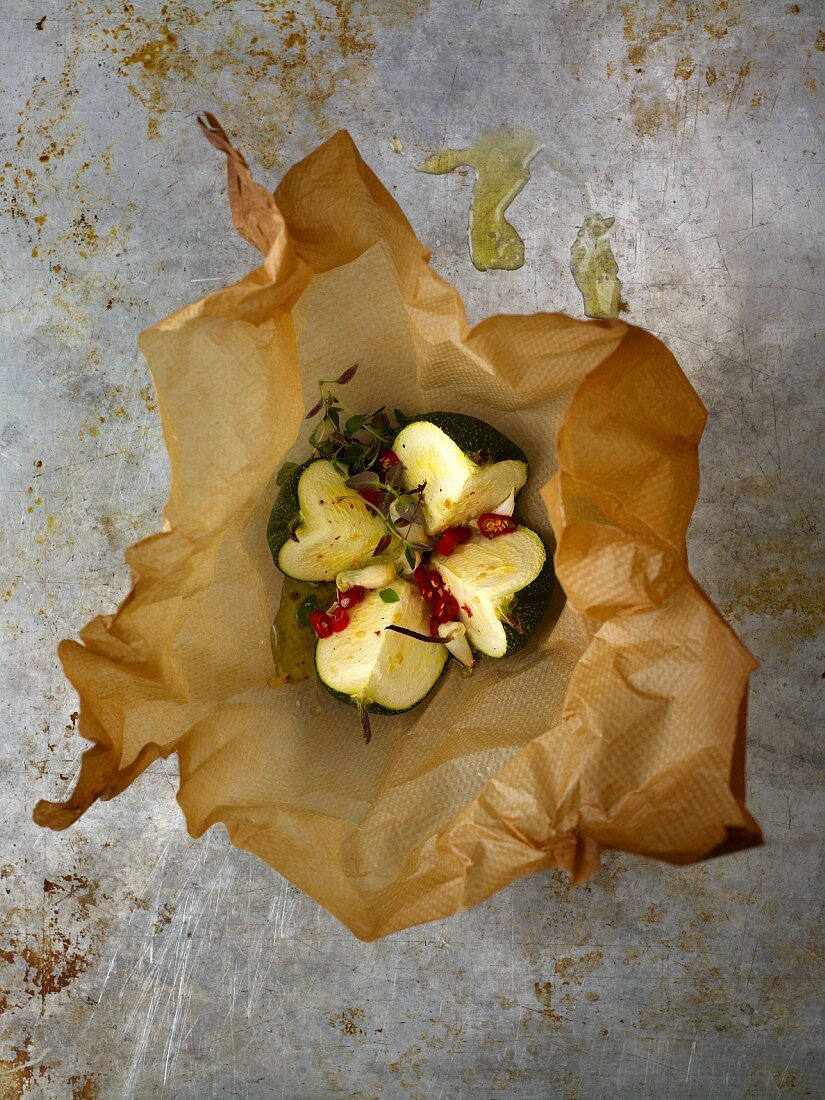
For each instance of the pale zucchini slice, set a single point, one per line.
(485, 576)
(458, 489)
(368, 664)
(336, 528)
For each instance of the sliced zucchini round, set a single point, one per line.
(502, 585)
(319, 526)
(366, 664)
(468, 466)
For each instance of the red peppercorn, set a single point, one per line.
(372, 496)
(446, 610)
(320, 623)
(351, 598)
(339, 618)
(388, 459)
(451, 538)
(492, 524)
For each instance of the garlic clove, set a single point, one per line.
(370, 576)
(455, 637)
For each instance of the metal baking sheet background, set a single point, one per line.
(136, 962)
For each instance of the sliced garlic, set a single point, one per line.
(370, 576)
(508, 506)
(455, 636)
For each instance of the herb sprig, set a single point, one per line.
(353, 443)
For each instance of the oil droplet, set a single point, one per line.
(501, 159)
(595, 269)
(397, 145)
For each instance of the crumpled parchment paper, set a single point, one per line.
(622, 723)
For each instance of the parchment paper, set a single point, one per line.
(621, 724)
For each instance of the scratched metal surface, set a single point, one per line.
(135, 962)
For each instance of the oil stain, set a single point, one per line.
(595, 269)
(544, 995)
(500, 159)
(293, 649)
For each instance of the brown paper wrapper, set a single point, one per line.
(620, 725)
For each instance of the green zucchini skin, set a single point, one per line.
(473, 435)
(286, 512)
(530, 605)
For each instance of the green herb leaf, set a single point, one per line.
(285, 471)
(410, 556)
(332, 414)
(389, 595)
(354, 424)
(305, 608)
(399, 416)
(314, 410)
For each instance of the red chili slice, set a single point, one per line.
(433, 626)
(388, 459)
(320, 623)
(447, 543)
(351, 598)
(436, 582)
(339, 619)
(373, 496)
(493, 524)
(452, 537)
(425, 585)
(446, 610)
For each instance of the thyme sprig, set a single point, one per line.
(400, 509)
(351, 441)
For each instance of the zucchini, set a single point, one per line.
(468, 466)
(502, 585)
(319, 526)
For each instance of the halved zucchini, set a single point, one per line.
(502, 585)
(469, 467)
(319, 526)
(368, 665)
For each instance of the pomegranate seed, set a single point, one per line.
(320, 623)
(372, 496)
